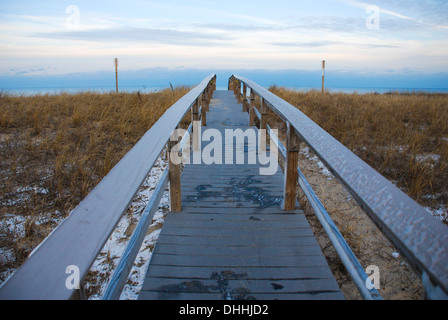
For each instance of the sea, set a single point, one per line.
(30, 91)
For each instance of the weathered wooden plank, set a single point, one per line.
(237, 224)
(254, 211)
(260, 194)
(244, 170)
(241, 285)
(238, 232)
(204, 184)
(188, 296)
(236, 181)
(201, 174)
(211, 192)
(246, 251)
(251, 273)
(228, 175)
(227, 193)
(233, 179)
(254, 195)
(231, 261)
(227, 205)
(225, 166)
(183, 217)
(233, 241)
(219, 177)
(193, 168)
(228, 185)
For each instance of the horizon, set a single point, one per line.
(365, 44)
(150, 80)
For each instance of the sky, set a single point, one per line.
(393, 39)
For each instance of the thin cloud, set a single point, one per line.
(315, 44)
(153, 35)
(223, 27)
(329, 24)
(238, 16)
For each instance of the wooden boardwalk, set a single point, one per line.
(231, 241)
(227, 237)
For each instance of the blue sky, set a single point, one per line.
(376, 37)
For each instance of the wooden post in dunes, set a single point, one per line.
(116, 74)
(291, 172)
(323, 76)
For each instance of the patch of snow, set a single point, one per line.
(37, 190)
(397, 148)
(432, 196)
(427, 157)
(440, 213)
(323, 169)
(21, 194)
(15, 224)
(6, 255)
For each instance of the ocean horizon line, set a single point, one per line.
(29, 91)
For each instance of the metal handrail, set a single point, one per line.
(422, 239)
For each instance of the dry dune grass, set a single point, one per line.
(55, 148)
